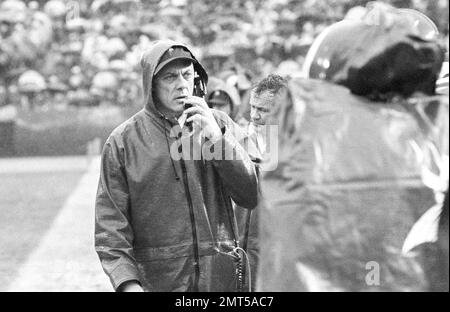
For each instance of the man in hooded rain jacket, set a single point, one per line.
(163, 222)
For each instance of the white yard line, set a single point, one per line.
(65, 259)
(43, 164)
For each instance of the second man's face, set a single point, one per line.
(262, 107)
(173, 84)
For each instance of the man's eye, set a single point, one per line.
(187, 75)
(169, 77)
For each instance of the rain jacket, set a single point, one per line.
(163, 222)
(353, 176)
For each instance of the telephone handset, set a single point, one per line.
(200, 91)
(199, 86)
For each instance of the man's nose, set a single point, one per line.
(182, 82)
(255, 116)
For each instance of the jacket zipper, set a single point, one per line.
(194, 227)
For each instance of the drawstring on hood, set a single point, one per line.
(149, 62)
(168, 147)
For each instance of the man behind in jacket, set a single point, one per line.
(267, 97)
(164, 222)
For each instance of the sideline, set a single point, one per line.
(65, 260)
(44, 164)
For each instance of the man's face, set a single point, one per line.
(263, 107)
(173, 84)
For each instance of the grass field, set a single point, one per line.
(47, 225)
(29, 202)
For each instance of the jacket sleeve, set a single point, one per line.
(113, 232)
(235, 167)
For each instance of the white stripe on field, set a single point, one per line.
(65, 259)
(43, 164)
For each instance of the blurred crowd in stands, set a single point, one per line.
(63, 53)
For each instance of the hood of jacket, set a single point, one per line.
(216, 84)
(149, 62)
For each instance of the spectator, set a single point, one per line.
(223, 97)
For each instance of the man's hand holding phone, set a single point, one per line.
(201, 116)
